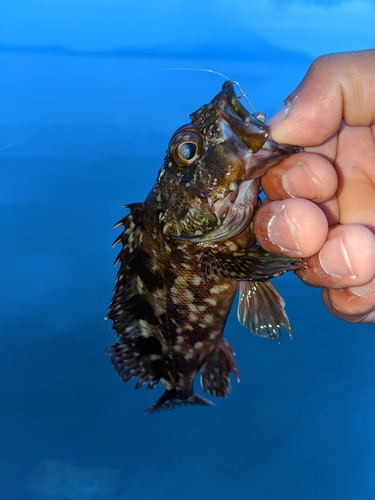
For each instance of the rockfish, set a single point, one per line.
(189, 248)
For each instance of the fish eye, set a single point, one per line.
(185, 148)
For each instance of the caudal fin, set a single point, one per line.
(173, 399)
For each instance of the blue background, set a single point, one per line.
(87, 106)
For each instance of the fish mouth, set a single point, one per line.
(252, 130)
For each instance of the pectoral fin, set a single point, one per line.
(253, 264)
(261, 309)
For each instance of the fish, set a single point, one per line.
(189, 248)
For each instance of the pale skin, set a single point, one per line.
(322, 201)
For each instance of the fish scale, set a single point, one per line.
(186, 251)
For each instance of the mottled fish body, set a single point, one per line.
(188, 249)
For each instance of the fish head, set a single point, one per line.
(208, 186)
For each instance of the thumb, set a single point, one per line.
(336, 87)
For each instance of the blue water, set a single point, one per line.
(301, 425)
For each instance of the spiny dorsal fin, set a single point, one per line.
(136, 352)
(127, 257)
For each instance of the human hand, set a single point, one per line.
(322, 201)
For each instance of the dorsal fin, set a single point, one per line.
(136, 352)
(128, 256)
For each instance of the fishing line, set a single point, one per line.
(205, 70)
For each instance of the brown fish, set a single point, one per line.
(188, 249)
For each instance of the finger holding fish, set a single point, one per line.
(340, 256)
(352, 304)
(344, 264)
(301, 175)
(340, 259)
(286, 227)
(344, 260)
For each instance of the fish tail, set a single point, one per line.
(172, 399)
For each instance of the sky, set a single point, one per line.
(311, 27)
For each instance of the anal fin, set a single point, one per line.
(215, 378)
(261, 309)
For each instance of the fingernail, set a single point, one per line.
(300, 182)
(281, 232)
(364, 290)
(334, 259)
(280, 115)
